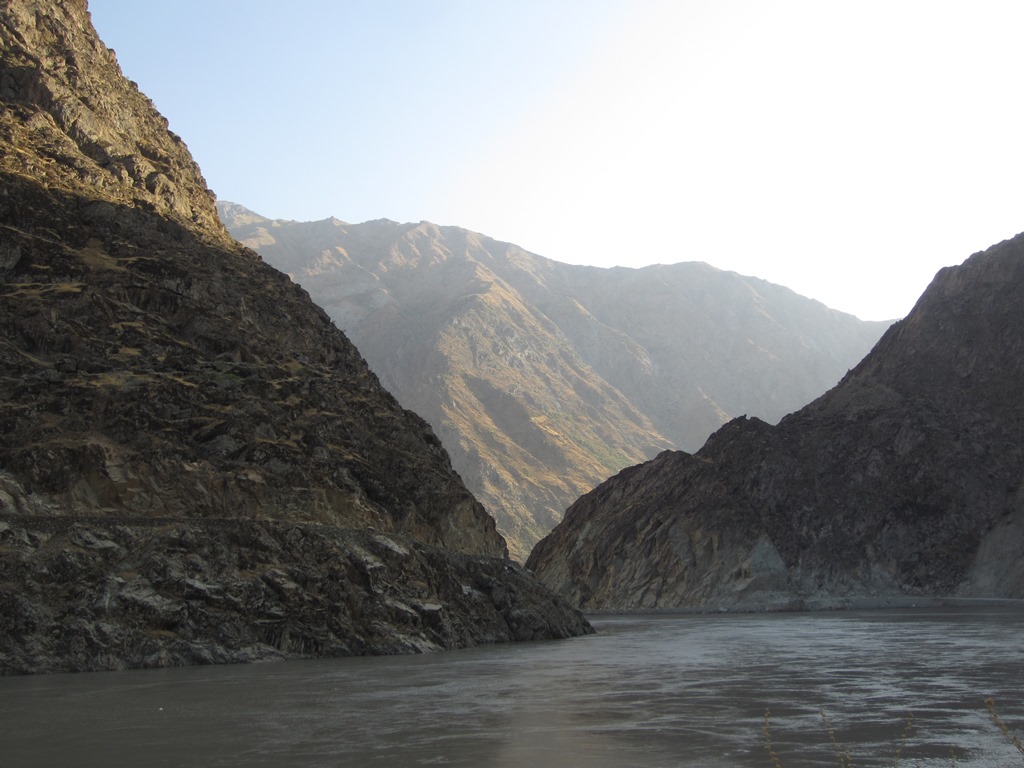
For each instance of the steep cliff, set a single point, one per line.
(905, 479)
(73, 122)
(543, 378)
(159, 377)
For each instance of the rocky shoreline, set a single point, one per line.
(197, 466)
(118, 593)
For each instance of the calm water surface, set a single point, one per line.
(646, 691)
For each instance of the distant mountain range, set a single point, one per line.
(542, 378)
(905, 480)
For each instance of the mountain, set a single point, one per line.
(196, 465)
(904, 480)
(541, 378)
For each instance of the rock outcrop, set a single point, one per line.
(903, 480)
(112, 594)
(542, 378)
(71, 120)
(161, 385)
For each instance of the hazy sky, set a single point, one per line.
(847, 150)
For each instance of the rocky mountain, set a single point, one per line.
(903, 480)
(541, 378)
(196, 465)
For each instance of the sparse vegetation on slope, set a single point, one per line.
(542, 379)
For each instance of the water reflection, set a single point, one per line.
(646, 691)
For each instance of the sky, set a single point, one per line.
(846, 150)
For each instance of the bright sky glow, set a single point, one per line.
(847, 150)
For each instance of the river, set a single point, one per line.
(646, 691)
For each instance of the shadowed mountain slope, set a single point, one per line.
(905, 479)
(189, 442)
(543, 378)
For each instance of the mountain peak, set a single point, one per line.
(81, 125)
(902, 480)
(543, 378)
(234, 214)
(197, 466)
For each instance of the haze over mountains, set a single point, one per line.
(902, 481)
(542, 378)
(196, 465)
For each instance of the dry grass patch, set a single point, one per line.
(38, 290)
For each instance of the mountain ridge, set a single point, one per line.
(197, 466)
(543, 378)
(903, 480)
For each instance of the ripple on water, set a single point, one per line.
(680, 690)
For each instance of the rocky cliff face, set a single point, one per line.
(72, 121)
(905, 479)
(113, 594)
(161, 378)
(542, 378)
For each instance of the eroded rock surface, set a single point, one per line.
(71, 119)
(101, 594)
(541, 378)
(905, 479)
(188, 441)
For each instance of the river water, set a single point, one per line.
(675, 690)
